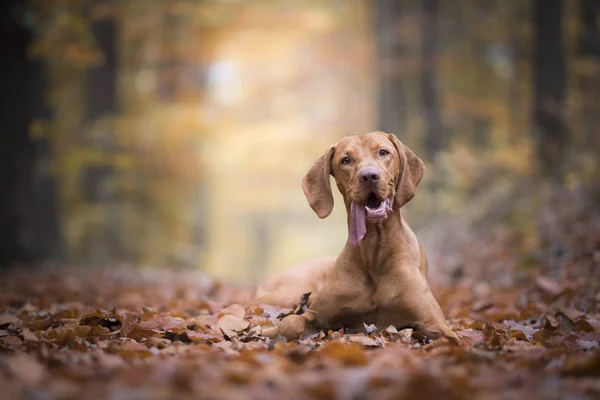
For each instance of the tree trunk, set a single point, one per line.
(549, 82)
(434, 131)
(589, 39)
(391, 101)
(102, 79)
(28, 214)
(104, 246)
(101, 103)
(589, 81)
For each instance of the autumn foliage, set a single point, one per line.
(176, 134)
(120, 332)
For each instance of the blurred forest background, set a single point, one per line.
(176, 133)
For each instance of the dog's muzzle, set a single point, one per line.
(373, 210)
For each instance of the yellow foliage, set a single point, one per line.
(225, 105)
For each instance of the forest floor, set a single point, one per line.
(530, 328)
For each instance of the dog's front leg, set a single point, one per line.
(406, 300)
(291, 327)
(344, 297)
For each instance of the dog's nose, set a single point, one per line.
(369, 175)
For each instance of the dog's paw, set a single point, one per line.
(291, 327)
(436, 331)
(452, 337)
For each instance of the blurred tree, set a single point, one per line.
(155, 104)
(27, 203)
(589, 40)
(549, 87)
(391, 100)
(589, 81)
(101, 107)
(434, 134)
(102, 78)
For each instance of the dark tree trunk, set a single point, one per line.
(434, 133)
(589, 40)
(549, 83)
(101, 102)
(104, 245)
(589, 81)
(28, 214)
(391, 101)
(103, 78)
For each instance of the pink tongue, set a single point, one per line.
(358, 223)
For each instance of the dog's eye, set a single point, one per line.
(383, 153)
(346, 160)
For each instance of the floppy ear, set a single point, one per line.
(316, 185)
(411, 172)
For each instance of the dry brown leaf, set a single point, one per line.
(362, 340)
(139, 334)
(164, 322)
(27, 369)
(581, 363)
(469, 337)
(10, 342)
(350, 354)
(274, 312)
(239, 373)
(582, 325)
(494, 336)
(231, 325)
(108, 361)
(481, 305)
(29, 336)
(522, 331)
(130, 350)
(6, 320)
(500, 313)
(203, 337)
(236, 310)
(128, 323)
(549, 286)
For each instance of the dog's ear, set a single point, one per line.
(411, 172)
(316, 185)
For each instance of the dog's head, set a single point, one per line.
(375, 173)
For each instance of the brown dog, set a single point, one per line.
(381, 275)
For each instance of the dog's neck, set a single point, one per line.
(383, 240)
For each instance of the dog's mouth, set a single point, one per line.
(377, 208)
(373, 209)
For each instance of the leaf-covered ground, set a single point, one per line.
(529, 324)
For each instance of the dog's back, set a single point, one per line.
(286, 288)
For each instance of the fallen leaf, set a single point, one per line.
(362, 340)
(515, 327)
(494, 336)
(27, 369)
(203, 337)
(302, 304)
(10, 342)
(469, 337)
(500, 313)
(582, 364)
(29, 336)
(481, 305)
(231, 325)
(549, 286)
(350, 354)
(6, 320)
(235, 310)
(274, 312)
(369, 328)
(163, 322)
